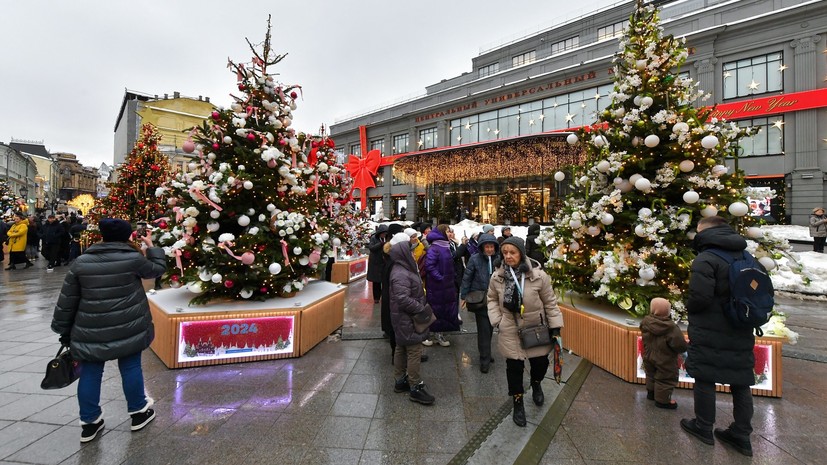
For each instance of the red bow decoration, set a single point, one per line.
(313, 158)
(362, 170)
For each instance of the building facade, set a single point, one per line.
(172, 115)
(20, 170)
(74, 178)
(763, 63)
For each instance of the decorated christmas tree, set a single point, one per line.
(8, 200)
(253, 221)
(655, 167)
(509, 208)
(132, 196)
(532, 207)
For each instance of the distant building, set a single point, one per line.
(105, 175)
(173, 116)
(23, 163)
(74, 178)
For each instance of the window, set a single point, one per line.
(356, 150)
(524, 58)
(400, 144)
(489, 69)
(427, 139)
(612, 30)
(380, 177)
(465, 130)
(379, 145)
(769, 140)
(753, 76)
(564, 45)
(396, 181)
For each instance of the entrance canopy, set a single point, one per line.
(520, 157)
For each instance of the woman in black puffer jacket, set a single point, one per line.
(103, 314)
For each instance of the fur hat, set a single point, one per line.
(399, 237)
(114, 230)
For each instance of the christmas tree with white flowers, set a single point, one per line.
(253, 218)
(655, 167)
(8, 201)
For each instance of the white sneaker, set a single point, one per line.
(441, 340)
(427, 343)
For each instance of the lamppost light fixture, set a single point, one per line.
(24, 191)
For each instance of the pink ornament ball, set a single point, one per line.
(314, 257)
(215, 146)
(188, 146)
(229, 283)
(271, 163)
(293, 95)
(251, 136)
(263, 290)
(215, 115)
(248, 258)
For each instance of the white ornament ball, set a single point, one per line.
(274, 268)
(646, 102)
(246, 293)
(607, 218)
(204, 275)
(644, 213)
(216, 278)
(767, 262)
(719, 170)
(646, 274)
(271, 207)
(625, 187)
(248, 185)
(709, 211)
(325, 236)
(709, 142)
(592, 230)
(640, 65)
(636, 100)
(680, 127)
(215, 214)
(572, 139)
(603, 166)
(617, 181)
(195, 288)
(213, 226)
(303, 261)
(651, 141)
(575, 224)
(297, 250)
(738, 208)
(337, 242)
(574, 246)
(600, 141)
(635, 141)
(559, 176)
(754, 233)
(643, 185)
(228, 140)
(640, 230)
(243, 220)
(633, 178)
(686, 166)
(691, 197)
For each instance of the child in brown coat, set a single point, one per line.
(662, 342)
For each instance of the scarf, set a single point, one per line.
(511, 295)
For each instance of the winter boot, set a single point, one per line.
(519, 410)
(419, 394)
(401, 384)
(537, 393)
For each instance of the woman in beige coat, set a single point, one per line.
(521, 286)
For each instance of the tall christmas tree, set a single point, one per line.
(655, 167)
(132, 196)
(509, 207)
(254, 220)
(8, 200)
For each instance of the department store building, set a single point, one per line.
(497, 127)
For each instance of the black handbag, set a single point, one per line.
(61, 371)
(534, 336)
(475, 301)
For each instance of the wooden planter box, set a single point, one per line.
(610, 338)
(349, 269)
(243, 331)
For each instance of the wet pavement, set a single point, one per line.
(336, 404)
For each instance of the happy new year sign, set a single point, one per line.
(772, 105)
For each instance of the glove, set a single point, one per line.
(555, 332)
(64, 340)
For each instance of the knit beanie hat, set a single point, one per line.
(516, 242)
(114, 230)
(411, 232)
(487, 229)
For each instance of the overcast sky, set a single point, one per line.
(66, 63)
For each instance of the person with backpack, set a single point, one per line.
(720, 349)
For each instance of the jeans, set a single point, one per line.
(704, 394)
(514, 372)
(89, 386)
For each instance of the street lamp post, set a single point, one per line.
(24, 192)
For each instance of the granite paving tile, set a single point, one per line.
(393, 435)
(350, 404)
(365, 384)
(299, 429)
(20, 434)
(27, 405)
(43, 451)
(384, 457)
(312, 402)
(343, 432)
(331, 456)
(444, 437)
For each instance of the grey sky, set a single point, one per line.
(66, 63)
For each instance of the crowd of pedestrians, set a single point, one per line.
(55, 237)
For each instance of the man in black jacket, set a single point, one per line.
(718, 352)
(52, 235)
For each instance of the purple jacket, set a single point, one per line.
(439, 283)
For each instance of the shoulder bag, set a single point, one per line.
(476, 301)
(61, 371)
(535, 336)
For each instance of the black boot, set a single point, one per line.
(537, 393)
(419, 394)
(519, 410)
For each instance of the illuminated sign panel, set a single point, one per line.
(235, 338)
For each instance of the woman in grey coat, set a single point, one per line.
(102, 314)
(818, 229)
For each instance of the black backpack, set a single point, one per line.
(750, 289)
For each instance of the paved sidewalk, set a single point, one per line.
(337, 405)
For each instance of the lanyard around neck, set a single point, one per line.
(520, 287)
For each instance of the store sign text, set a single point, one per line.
(768, 105)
